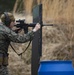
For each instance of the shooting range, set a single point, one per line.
(49, 67)
(52, 50)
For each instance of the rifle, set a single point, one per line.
(22, 25)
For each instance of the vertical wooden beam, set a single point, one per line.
(37, 41)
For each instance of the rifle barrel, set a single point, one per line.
(33, 24)
(48, 24)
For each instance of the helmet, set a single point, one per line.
(7, 18)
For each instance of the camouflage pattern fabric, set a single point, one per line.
(3, 70)
(7, 36)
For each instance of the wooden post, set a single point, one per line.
(37, 41)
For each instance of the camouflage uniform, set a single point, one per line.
(6, 36)
(3, 70)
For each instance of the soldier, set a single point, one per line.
(7, 35)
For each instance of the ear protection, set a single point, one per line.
(7, 20)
